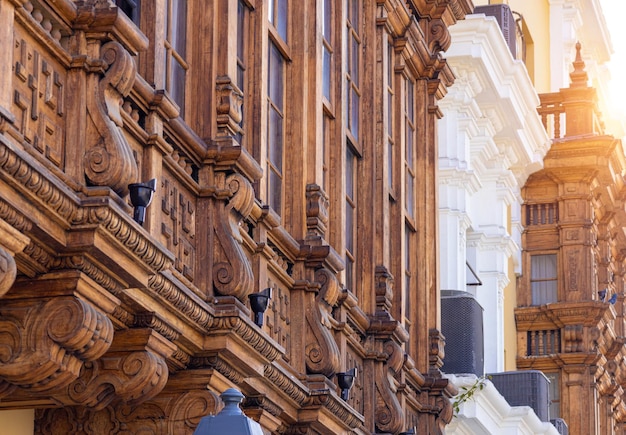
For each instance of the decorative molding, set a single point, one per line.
(169, 413)
(11, 242)
(215, 362)
(252, 336)
(232, 273)
(384, 290)
(389, 415)
(132, 371)
(50, 341)
(321, 351)
(317, 203)
(109, 160)
(176, 296)
(68, 207)
(287, 384)
(228, 107)
(93, 271)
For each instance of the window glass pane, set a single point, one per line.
(407, 270)
(275, 191)
(409, 145)
(350, 173)
(410, 193)
(410, 101)
(354, 69)
(177, 85)
(327, 5)
(179, 26)
(349, 228)
(281, 24)
(130, 8)
(275, 139)
(275, 77)
(326, 74)
(543, 292)
(390, 163)
(349, 274)
(543, 266)
(354, 114)
(555, 395)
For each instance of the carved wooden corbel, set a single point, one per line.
(229, 102)
(316, 211)
(389, 415)
(132, 371)
(109, 159)
(46, 343)
(232, 273)
(437, 35)
(11, 242)
(322, 352)
(171, 413)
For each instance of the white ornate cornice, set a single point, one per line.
(506, 97)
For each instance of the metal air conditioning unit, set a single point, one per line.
(503, 15)
(462, 326)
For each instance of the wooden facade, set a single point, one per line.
(293, 144)
(570, 315)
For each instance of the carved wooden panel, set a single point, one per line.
(178, 223)
(38, 99)
(278, 315)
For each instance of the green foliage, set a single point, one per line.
(467, 393)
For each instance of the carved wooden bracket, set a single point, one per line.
(436, 351)
(437, 35)
(11, 242)
(384, 289)
(322, 352)
(316, 211)
(389, 416)
(108, 159)
(47, 343)
(232, 273)
(170, 413)
(229, 102)
(132, 371)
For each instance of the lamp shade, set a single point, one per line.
(229, 420)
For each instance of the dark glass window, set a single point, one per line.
(353, 67)
(175, 49)
(543, 279)
(130, 8)
(409, 116)
(275, 130)
(327, 48)
(351, 161)
(278, 16)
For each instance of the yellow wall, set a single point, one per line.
(17, 422)
(510, 331)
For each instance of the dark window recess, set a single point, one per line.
(130, 8)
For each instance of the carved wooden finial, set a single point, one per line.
(579, 76)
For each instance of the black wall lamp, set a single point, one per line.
(140, 198)
(258, 304)
(345, 381)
